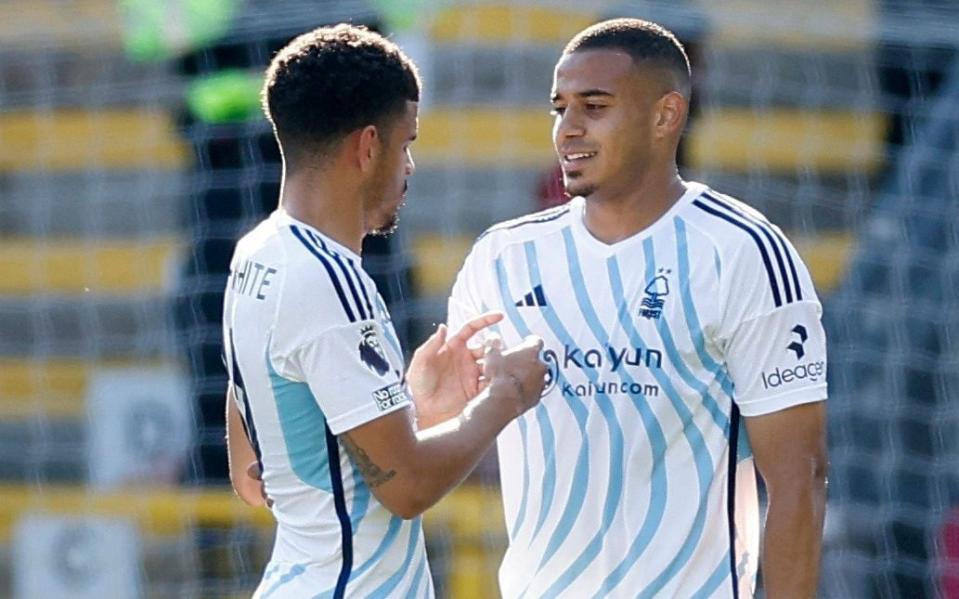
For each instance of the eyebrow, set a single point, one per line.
(589, 93)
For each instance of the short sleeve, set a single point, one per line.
(778, 360)
(349, 372)
(771, 332)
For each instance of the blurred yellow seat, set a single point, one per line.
(53, 388)
(75, 139)
(505, 137)
(436, 260)
(158, 511)
(52, 23)
(813, 25)
(98, 266)
(827, 256)
(784, 140)
(469, 512)
(779, 140)
(509, 23)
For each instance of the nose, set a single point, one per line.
(568, 125)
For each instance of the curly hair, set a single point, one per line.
(646, 42)
(334, 80)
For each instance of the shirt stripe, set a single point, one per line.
(672, 352)
(731, 496)
(614, 492)
(773, 284)
(295, 571)
(547, 436)
(694, 437)
(329, 270)
(396, 523)
(339, 502)
(247, 420)
(580, 480)
(389, 585)
(366, 296)
(692, 316)
(765, 229)
(347, 275)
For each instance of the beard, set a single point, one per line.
(388, 227)
(577, 188)
(387, 222)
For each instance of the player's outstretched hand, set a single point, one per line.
(517, 376)
(446, 371)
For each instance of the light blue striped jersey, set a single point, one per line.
(633, 477)
(312, 354)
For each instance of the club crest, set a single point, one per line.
(656, 290)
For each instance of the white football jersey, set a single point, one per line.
(311, 354)
(634, 477)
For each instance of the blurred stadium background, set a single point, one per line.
(132, 155)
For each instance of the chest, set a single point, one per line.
(638, 308)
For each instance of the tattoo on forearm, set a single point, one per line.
(372, 474)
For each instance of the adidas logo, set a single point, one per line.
(536, 297)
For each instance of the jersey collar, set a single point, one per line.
(585, 239)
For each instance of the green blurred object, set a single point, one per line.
(160, 29)
(402, 15)
(226, 97)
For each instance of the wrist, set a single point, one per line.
(431, 418)
(506, 392)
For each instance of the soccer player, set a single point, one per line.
(684, 346)
(317, 396)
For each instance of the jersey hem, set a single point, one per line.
(776, 403)
(361, 416)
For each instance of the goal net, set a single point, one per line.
(133, 155)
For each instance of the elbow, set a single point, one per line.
(249, 491)
(410, 511)
(410, 500)
(407, 508)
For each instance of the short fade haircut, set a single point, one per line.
(646, 42)
(334, 80)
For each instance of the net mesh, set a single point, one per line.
(123, 186)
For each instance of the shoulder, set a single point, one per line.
(752, 250)
(526, 227)
(320, 282)
(731, 225)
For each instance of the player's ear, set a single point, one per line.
(367, 146)
(670, 115)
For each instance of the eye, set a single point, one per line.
(558, 110)
(591, 107)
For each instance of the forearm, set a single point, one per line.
(435, 460)
(239, 456)
(793, 540)
(451, 450)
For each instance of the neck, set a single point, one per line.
(617, 217)
(326, 202)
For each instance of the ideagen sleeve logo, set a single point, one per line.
(812, 371)
(797, 346)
